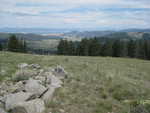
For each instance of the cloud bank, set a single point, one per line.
(84, 14)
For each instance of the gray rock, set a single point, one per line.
(2, 110)
(47, 97)
(2, 72)
(34, 87)
(54, 81)
(13, 99)
(41, 79)
(34, 106)
(19, 86)
(2, 101)
(35, 66)
(22, 65)
(60, 72)
(5, 88)
(24, 74)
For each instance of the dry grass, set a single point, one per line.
(94, 84)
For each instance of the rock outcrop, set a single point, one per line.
(31, 90)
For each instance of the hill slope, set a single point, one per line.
(94, 84)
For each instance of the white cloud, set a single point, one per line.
(33, 15)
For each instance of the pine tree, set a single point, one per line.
(60, 47)
(83, 47)
(147, 49)
(24, 46)
(107, 49)
(71, 48)
(140, 49)
(117, 49)
(13, 44)
(124, 48)
(131, 48)
(65, 48)
(1, 48)
(94, 47)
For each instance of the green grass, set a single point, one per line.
(94, 84)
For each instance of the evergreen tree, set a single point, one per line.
(63, 47)
(60, 48)
(83, 47)
(16, 45)
(13, 44)
(140, 49)
(94, 47)
(131, 49)
(1, 48)
(66, 48)
(117, 48)
(71, 48)
(107, 49)
(124, 49)
(147, 49)
(24, 46)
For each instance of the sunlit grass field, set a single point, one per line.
(94, 84)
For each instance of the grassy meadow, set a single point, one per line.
(94, 84)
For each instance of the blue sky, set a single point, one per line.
(74, 14)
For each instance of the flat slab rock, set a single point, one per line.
(33, 106)
(34, 87)
(12, 100)
(2, 110)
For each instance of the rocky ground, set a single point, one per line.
(30, 89)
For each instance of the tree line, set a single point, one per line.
(113, 48)
(14, 44)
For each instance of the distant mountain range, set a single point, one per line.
(135, 30)
(78, 35)
(30, 36)
(122, 34)
(33, 30)
(79, 32)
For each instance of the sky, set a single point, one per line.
(74, 14)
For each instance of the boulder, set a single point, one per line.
(12, 99)
(22, 65)
(2, 101)
(2, 72)
(41, 79)
(60, 72)
(35, 66)
(53, 81)
(34, 87)
(19, 86)
(33, 106)
(47, 97)
(2, 110)
(24, 74)
(5, 88)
